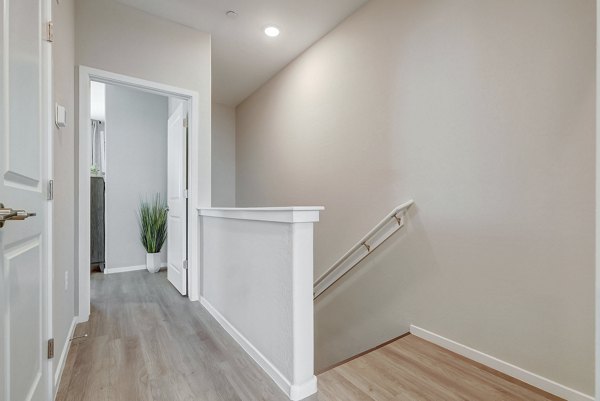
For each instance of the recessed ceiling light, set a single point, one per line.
(272, 31)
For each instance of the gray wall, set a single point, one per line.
(136, 168)
(223, 149)
(63, 237)
(483, 113)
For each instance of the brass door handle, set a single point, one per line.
(7, 214)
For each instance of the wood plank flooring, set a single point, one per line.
(413, 369)
(147, 343)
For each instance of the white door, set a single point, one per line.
(24, 106)
(177, 202)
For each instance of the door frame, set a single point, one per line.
(197, 173)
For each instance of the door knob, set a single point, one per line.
(7, 214)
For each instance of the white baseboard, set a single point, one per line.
(60, 366)
(293, 391)
(507, 368)
(81, 319)
(125, 269)
(113, 270)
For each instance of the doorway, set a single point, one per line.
(136, 152)
(139, 159)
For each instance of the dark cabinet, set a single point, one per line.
(97, 222)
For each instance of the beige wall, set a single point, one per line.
(597, 315)
(223, 161)
(64, 173)
(121, 39)
(483, 113)
(124, 40)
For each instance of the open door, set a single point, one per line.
(177, 200)
(24, 107)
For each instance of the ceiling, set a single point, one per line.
(243, 57)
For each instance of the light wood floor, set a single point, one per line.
(413, 369)
(147, 343)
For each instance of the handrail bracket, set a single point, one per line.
(399, 220)
(382, 231)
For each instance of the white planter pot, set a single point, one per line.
(153, 262)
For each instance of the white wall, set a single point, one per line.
(136, 168)
(63, 236)
(223, 148)
(483, 113)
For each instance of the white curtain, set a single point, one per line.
(98, 146)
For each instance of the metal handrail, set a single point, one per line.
(338, 270)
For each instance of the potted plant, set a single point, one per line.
(152, 217)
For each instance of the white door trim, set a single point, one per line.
(196, 175)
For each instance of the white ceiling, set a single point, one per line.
(243, 57)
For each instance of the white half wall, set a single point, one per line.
(136, 168)
(258, 282)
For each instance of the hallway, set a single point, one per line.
(147, 343)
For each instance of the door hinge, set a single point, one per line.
(51, 348)
(185, 265)
(50, 195)
(49, 32)
(185, 122)
(186, 193)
